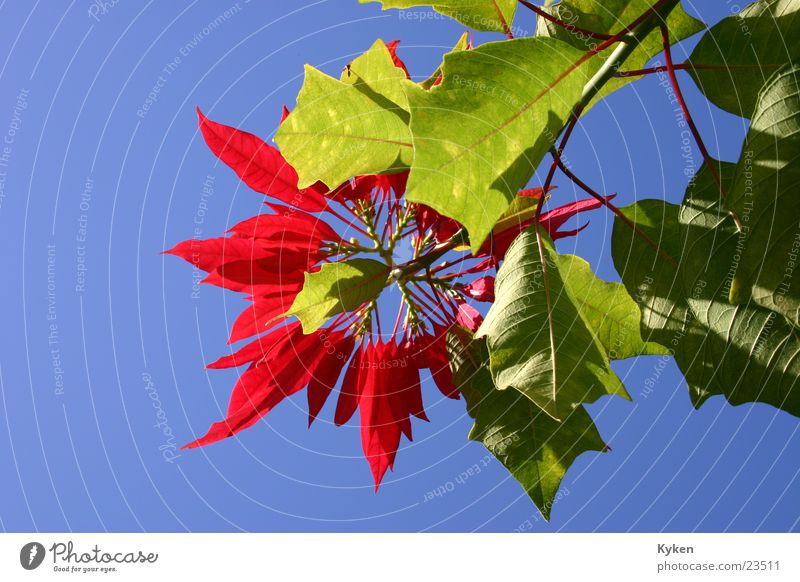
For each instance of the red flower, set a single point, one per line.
(266, 257)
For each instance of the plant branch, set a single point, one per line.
(613, 208)
(566, 25)
(427, 260)
(642, 26)
(690, 67)
(629, 38)
(690, 122)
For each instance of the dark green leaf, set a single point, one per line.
(767, 199)
(746, 352)
(653, 283)
(746, 48)
(535, 449)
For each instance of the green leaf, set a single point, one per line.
(610, 17)
(745, 352)
(538, 342)
(337, 287)
(749, 352)
(521, 209)
(479, 136)
(342, 129)
(765, 196)
(375, 74)
(653, 283)
(747, 48)
(607, 309)
(461, 45)
(485, 15)
(535, 449)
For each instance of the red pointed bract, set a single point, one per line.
(337, 347)
(430, 350)
(258, 164)
(390, 395)
(392, 46)
(209, 254)
(552, 220)
(284, 370)
(481, 289)
(261, 315)
(350, 392)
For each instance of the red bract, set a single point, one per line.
(258, 164)
(377, 370)
(497, 244)
(392, 46)
(481, 289)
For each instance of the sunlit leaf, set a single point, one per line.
(342, 129)
(435, 77)
(479, 136)
(337, 287)
(486, 15)
(538, 342)
(607, 309)
(610, 17)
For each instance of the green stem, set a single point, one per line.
(398, 233)
(427, 260)
(628, 44)
(629, 38)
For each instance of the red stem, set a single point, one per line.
(399, 317)
(452, 263)
(687, 67)
(443, 298)
(431, 311)
(613, 208)
(576, 113)
(570, 27)
(690, 122)
(347, 222)
(503, 23)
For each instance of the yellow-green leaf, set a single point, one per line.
(485, 15)
(337, 287)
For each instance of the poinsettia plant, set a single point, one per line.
(390, 188)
